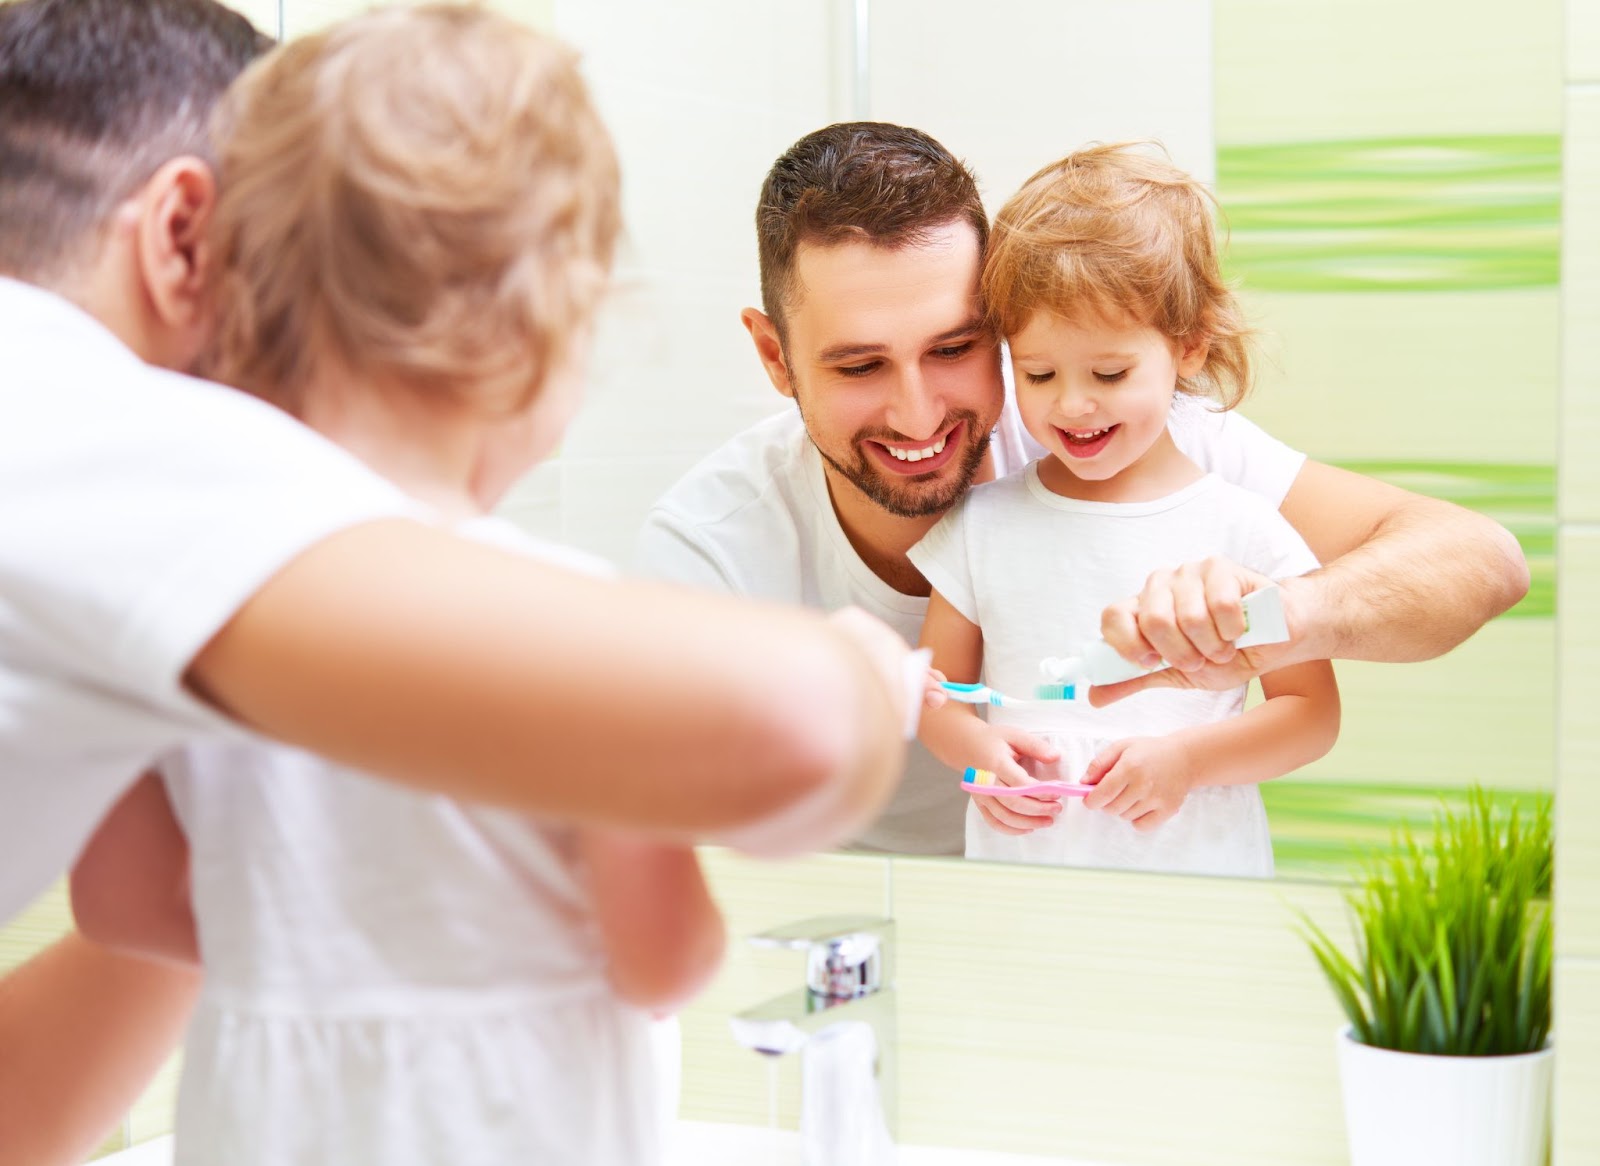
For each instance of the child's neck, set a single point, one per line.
(427, 449)
(1163, 469)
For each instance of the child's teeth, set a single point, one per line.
(916, 455)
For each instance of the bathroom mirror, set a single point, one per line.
(1391, 180)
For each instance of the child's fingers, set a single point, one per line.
(1103, 762)
(1151, 819)
(1027, 745)
(999, 815)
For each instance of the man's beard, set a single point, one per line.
(908, 498)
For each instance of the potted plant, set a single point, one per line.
(1447, 1055)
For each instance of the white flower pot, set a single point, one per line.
(1409, 1109)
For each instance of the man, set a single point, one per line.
(871, 239)
(179, 561)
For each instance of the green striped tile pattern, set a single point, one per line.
(1322, 831)
(1394, 214)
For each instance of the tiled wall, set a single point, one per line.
(1578, 565)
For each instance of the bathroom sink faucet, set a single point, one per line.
(843, 1025)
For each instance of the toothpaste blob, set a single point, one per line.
(1099, 663)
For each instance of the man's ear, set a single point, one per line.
(769, 348)
(175, 210)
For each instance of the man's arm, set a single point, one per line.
(1405, 578)
(82, 1030)
(484, 675)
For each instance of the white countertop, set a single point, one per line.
(699, 1143)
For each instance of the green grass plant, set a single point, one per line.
(1453, 936)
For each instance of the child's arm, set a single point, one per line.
(957, 736)
(82, 1030)
(480, 674)
(1145, 779)
(661, 928)
(130, 886)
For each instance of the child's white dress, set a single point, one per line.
(395, 978)
(1034, 571)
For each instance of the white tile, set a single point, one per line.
(1583, 41)
(1579, 497)
(1024, 83)
(672, 372)
(534, 503)
(604, 501)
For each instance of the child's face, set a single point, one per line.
(1096, 393)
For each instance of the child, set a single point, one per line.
(1103, 277)
(419, 209)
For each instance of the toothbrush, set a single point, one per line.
(981, 781)
(978, 694)
(983, 694)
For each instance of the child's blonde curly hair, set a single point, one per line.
(1119, 233)
(426, 194)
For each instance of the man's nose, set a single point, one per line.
(916, 409)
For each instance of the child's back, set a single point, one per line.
(395, 977)
(418, 211)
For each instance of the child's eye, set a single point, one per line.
(1039, 378)
(859, 370)
(1110, 378)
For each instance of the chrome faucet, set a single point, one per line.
(843, 1025)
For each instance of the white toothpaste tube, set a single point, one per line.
(1099, 663)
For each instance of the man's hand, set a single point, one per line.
(1189, 616)
(1027, 813)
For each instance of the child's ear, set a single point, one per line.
(1192, 357)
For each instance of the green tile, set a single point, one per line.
(1115, 1017)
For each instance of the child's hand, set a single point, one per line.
(1142, 780)
(1026, 813)
(933, 694)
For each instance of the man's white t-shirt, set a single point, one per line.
(754, 519)
(139, 509)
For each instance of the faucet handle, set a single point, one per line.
(846, 955)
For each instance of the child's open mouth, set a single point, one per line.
(1086, 442)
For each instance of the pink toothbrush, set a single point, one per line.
(981, 781)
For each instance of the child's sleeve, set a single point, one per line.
(941, 555)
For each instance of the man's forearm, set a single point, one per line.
(1428, 577)
(82, 1030)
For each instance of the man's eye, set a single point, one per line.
(1039, 378)
(953, 351)
(1110, 378)
(859, 370)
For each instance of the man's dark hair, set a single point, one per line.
(95, 97)
(883, 183)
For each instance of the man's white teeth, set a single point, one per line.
(916, 455)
